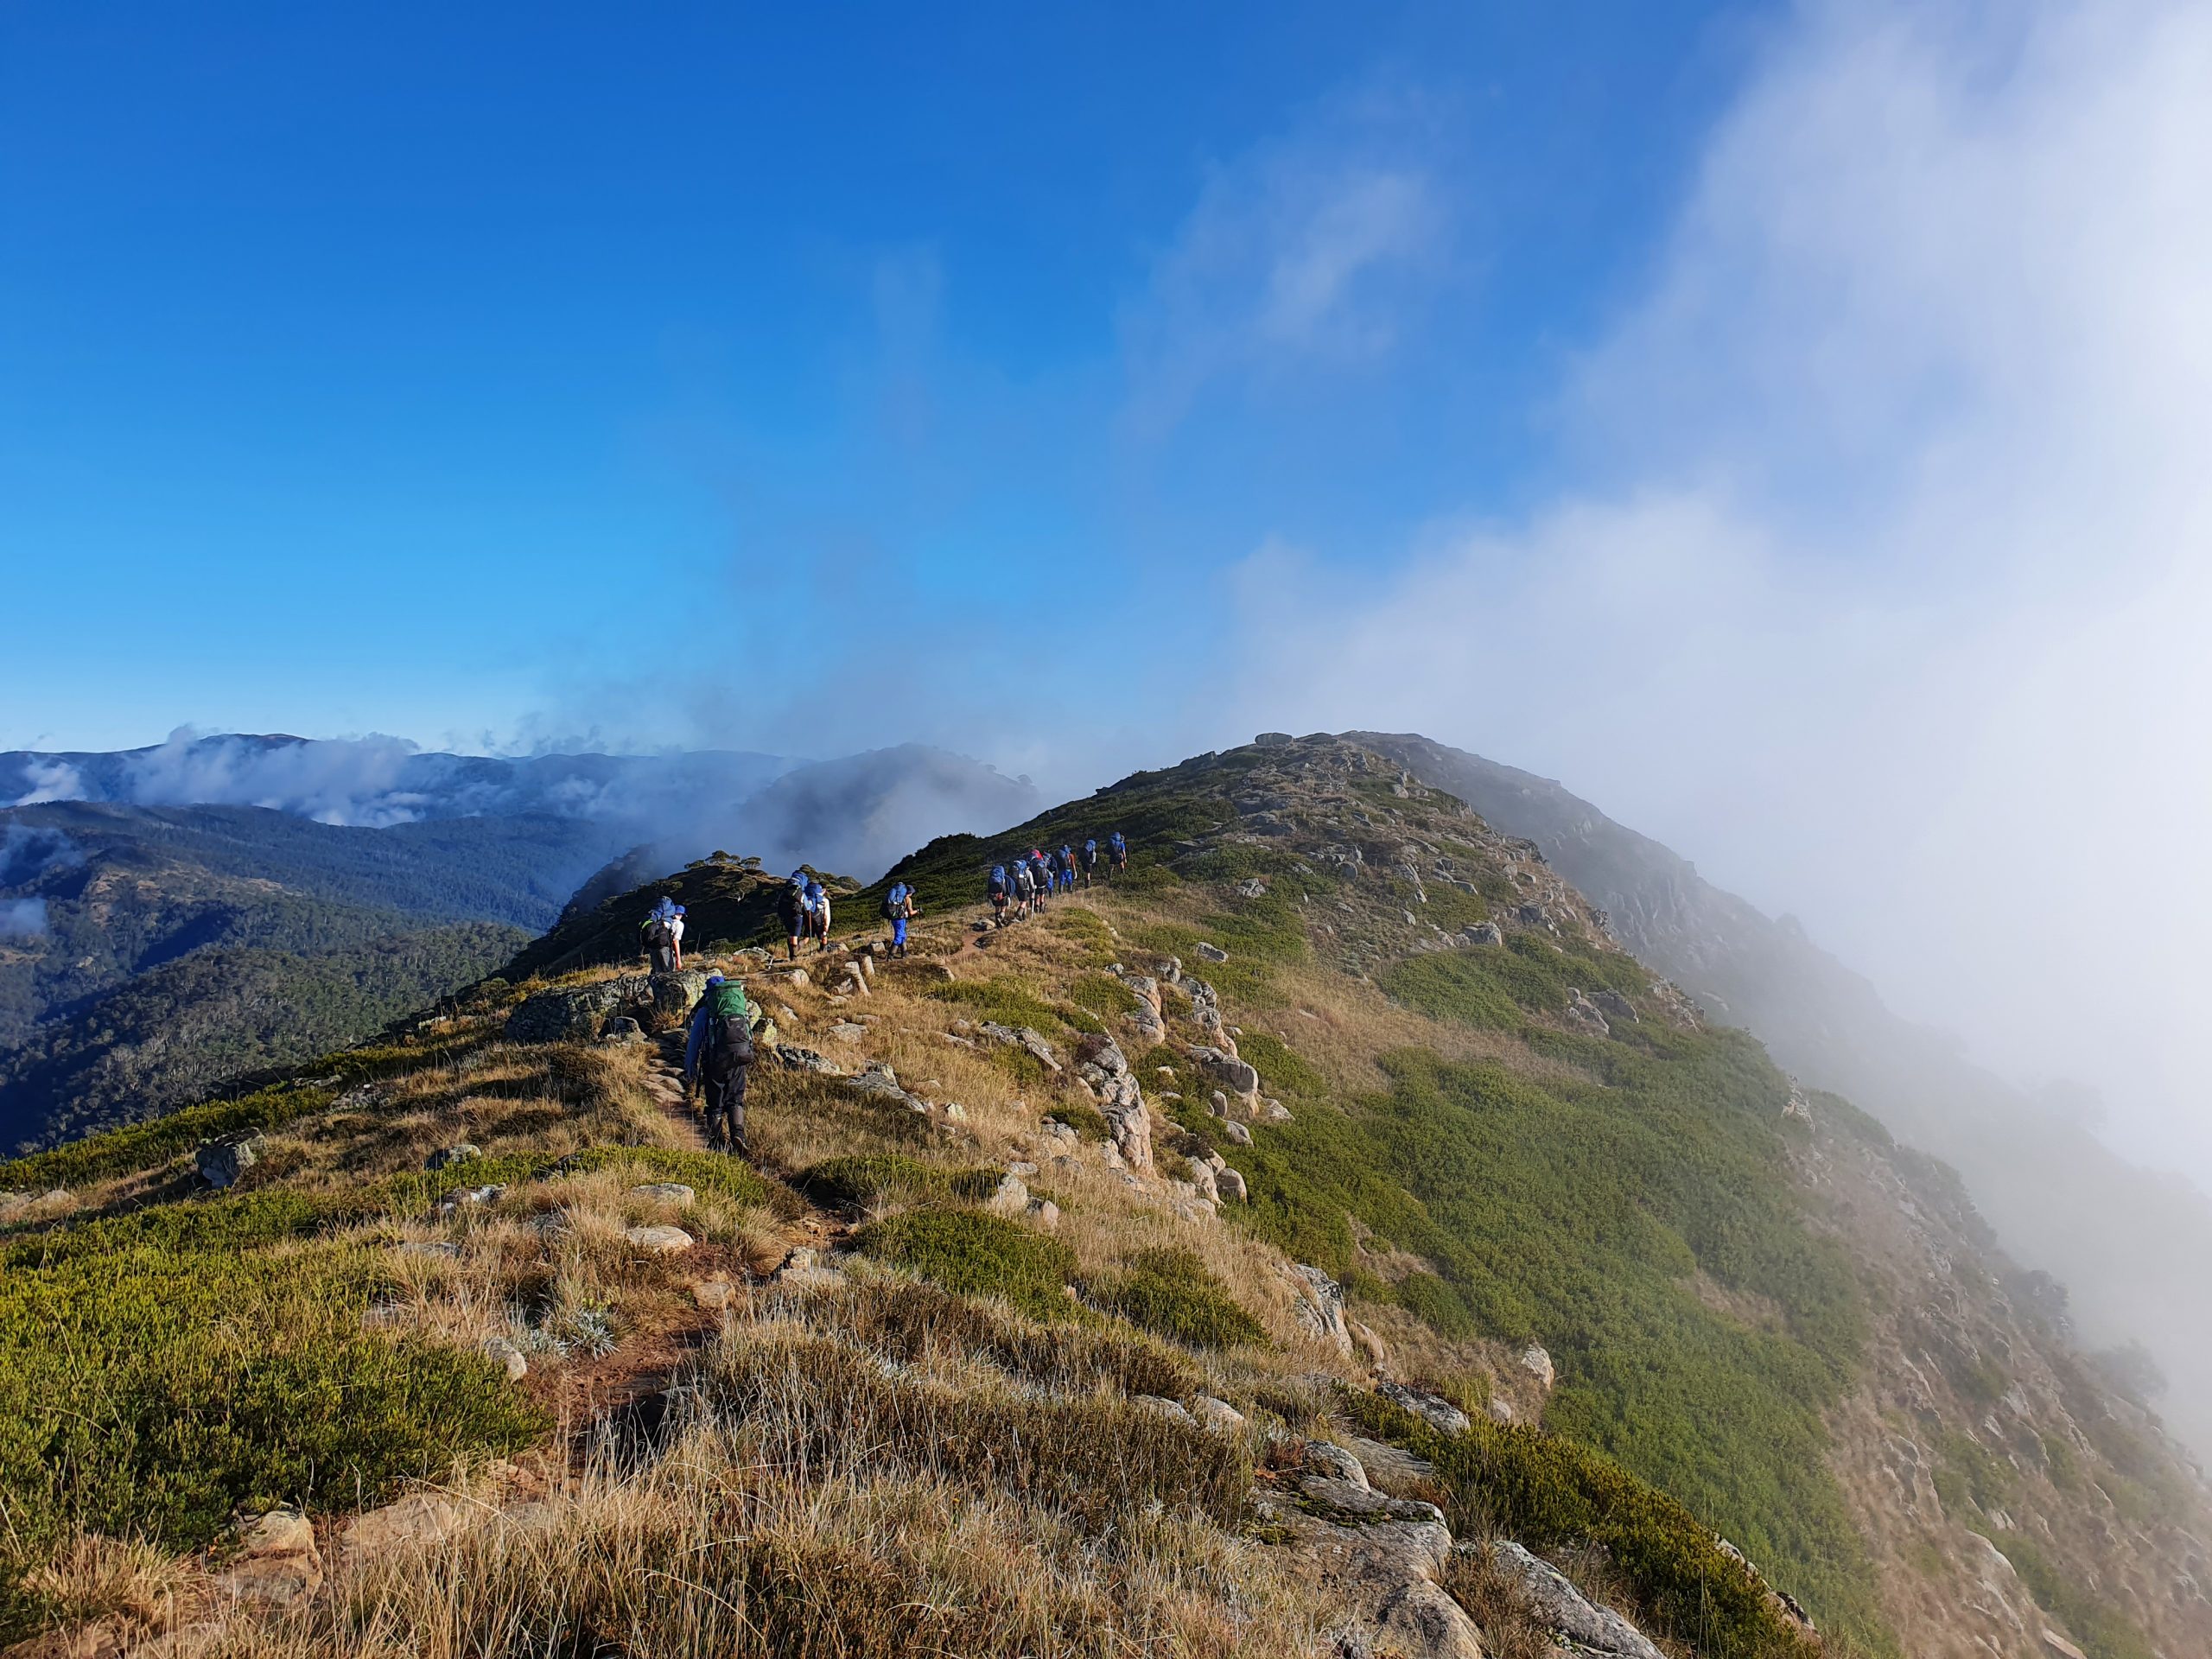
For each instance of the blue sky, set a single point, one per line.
(395, 369)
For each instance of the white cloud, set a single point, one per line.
(1301, 253)
(1887, 590)
(334, 780)
(21, 917)
(50, 780)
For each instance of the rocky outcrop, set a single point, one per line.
(1024, 1038)
(1104, 1070)
(1381, 1556)
(1583, 1015)
(1615, 1006)
(277, 1562)
(1433, 1409)
(1572, 1617)
(1319, 1306)
(1236, 1076)
(578, 1014)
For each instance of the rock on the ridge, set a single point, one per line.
(1216, 1414)
(1212, 952)
(1164, 1407)
(846, 1031)
(1010, 1197)
(792, 1058)
(2059, 1645)
(1235, 1133)
(577, 1014)
(661, 1241)
(665, 1191)
(415, 1522)
(460, 1152)
(1614, 1006)
(1101, 1064)
(508, 1357)
(1483, 933)
(1433, 1409)
(1582, 1014)
(1238, 1077)
(276, 1563)
(675, 994)
(1797, 1108)
(1025, 1038)
(1252, 889)
(1536, 1360)
(1274, 1111)
(1382, 1556)
(1320, 1305)
(1044, 1212)
(1333, 1462)
(1366, 1341)
(1595, 1630)
(1230, 1184)
(220, 1162)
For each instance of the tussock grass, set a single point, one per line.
(1094, 1461)
(867, 1181)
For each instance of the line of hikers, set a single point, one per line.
(718, 1048)
(1017, 890)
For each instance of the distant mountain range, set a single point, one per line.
(2130, 1245)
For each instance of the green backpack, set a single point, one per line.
(729, 1030)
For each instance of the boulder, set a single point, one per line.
(1389, 1467)
(1216, 1414)
(846, 1031)
(1235, 1133)
(1274, 1111)
(1010, 1197)
(660, 1241)
(1536, 1360)
(1237, 1077)
(1319, 1306)
(665, 1191)
(1023, 1037)
(675, 994)
(508, 1357)
(276, 1563)
(1582, 1014)
(792, 1058)
(221, 1161)
(1230, 1185)
(1044, 1212)
(413, 1523)
(460, 1152)
(1614, 1006)
(1254, 888)
(1164, 1407)
(1572, 1616)
(1368, 1344)
(1213, 952)
(577, 1014)
(1433, 1409)
(1483, 933)
(1101, 1064)
(622, 1030)
(1381, 1556)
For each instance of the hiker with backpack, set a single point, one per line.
(1040, 880)
(715, 1057)
(1089, 861)
(793, 907)
(1118, 849)
(676, 935)
(1025, 888)
(817, 909)
(999, 889)
(658, 937)
(1067, 867)
(899, 910)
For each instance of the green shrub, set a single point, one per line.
(1545, 1491)
(1103, 994)
(1172, 1293)
(864, 1180)
(1495, 989)
(189, 1368)
(154, 1142)
(1005, 1000)
(976, 1254)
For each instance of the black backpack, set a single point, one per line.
(729, 1031)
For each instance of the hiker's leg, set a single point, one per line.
(733, 1110)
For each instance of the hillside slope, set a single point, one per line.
(2128, 1242)
(1011, 1338)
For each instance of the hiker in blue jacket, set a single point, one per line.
(715, 1056)
(1119, 850)
(1089, 861)
(899, 910)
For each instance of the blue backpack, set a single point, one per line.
(1090, 847)
(1120, 845)
(998, 877)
